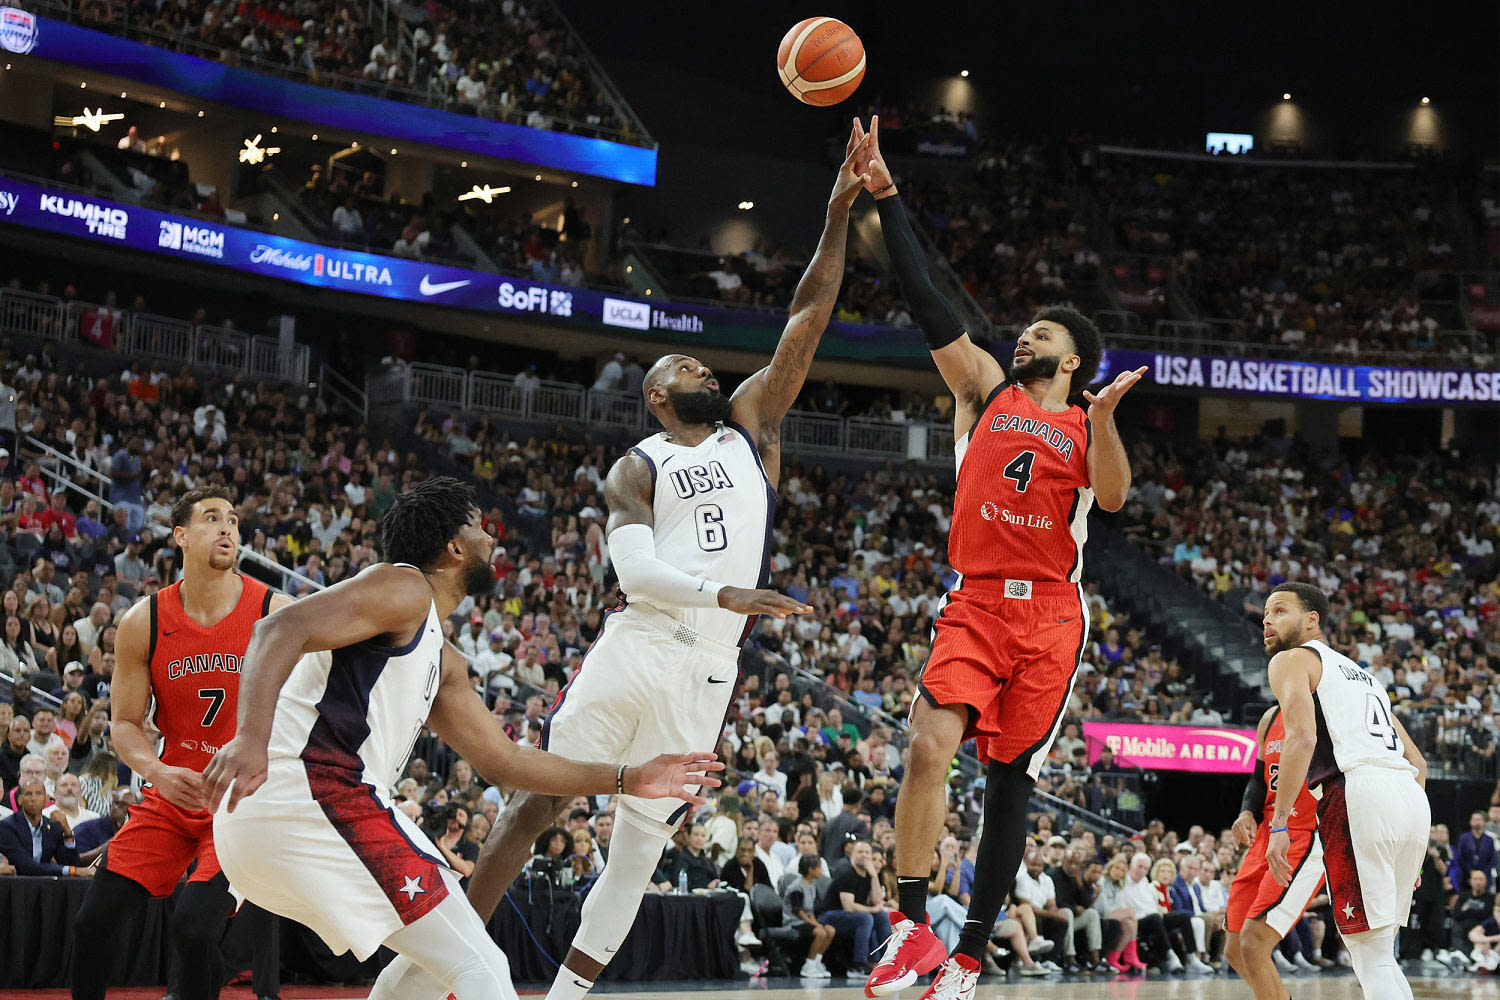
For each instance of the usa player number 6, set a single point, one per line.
(709, 520)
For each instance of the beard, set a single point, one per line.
(69, 803)
(1280, 645)
(700, 407)
(222, 560)
(479, 580)
(1036, 366)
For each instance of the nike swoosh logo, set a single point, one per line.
(580, 984)
(607, 951)
(173, 632)
(428, 288)
(715, 680)
(1063, 621)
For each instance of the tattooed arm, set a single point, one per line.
(762, 400)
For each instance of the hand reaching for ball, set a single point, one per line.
(872, 164)
(850, 179)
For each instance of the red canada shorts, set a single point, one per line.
(158, 843)
(1256, 895)
(1008, 649)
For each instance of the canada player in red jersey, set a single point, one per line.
(1006, 648)
(177, 670)
(1261, 910)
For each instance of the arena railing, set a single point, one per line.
(1446, 738)
(219, 349)
(803, 432)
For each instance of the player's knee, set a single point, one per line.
(931, 752)
(190, 929)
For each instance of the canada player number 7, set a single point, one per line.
(215, 699)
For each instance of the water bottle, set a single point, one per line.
(682, 889)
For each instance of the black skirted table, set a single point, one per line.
(674, 937)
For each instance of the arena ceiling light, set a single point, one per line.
(483, 193)
(253, 153)
(964, 73)
(89, 119)
(1426, 100)
(1286, 97)
(745, 206)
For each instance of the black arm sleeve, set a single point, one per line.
(933, 313)
(1255, 790)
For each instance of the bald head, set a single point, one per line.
(659, 374)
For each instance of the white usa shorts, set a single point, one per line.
(1374, 822)
(317, 846)
(649, 685)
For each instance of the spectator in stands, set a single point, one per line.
(845, 825)
(126, 481)
(1475, 852)
(68, 802)
(34, 844)
(44, 732)
(857, 907)
(93, 836)
(17, 655)
(347, 222)
(799, 903)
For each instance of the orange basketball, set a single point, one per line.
(821, 61)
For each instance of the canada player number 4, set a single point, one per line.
(1019, 469)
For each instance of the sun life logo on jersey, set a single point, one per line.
(989, 510)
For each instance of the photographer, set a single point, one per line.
(446, 824)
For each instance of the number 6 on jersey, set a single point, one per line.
(712, 537)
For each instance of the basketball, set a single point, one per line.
(821, 61)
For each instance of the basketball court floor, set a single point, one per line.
(1429, 982)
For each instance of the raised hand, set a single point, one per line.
(760, 602)
(1103, 405)
(675, 775)
(871, 162)
(850, 179)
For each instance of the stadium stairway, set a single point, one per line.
(1219, 647)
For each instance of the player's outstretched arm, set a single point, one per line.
(129, 700)
(462, 721)
(763, 399)
(383, 601)
(644, 576)
(970, 371)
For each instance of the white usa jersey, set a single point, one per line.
(357, 711)
(1354, 721)
(712, 507)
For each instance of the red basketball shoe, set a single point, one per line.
(913, 951)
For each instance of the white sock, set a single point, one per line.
(568, 985)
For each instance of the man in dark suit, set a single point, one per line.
(846, 822)
(35, 844)
(1476, 852)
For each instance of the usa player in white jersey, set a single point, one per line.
(335, 689)
(690, 513)
(1344, 742)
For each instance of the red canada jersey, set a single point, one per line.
(1305, 810)
(195, 673)
(1023, 498)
